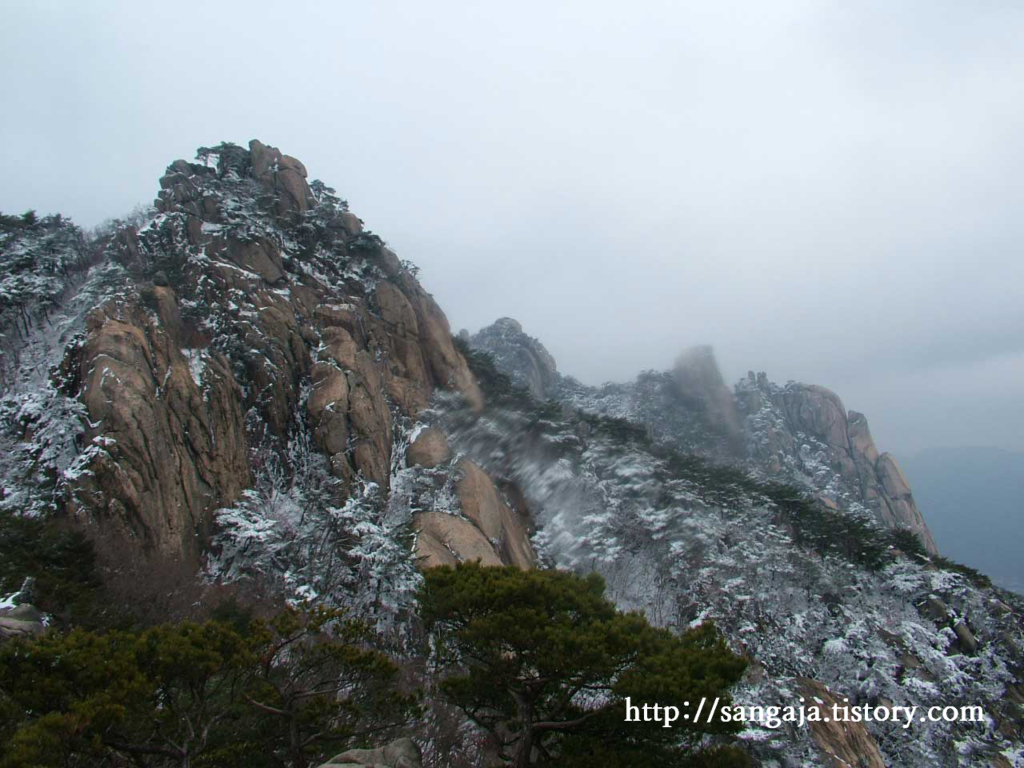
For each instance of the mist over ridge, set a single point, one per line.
(826, 194)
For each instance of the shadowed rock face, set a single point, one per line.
(520, 356)
(21, 621)
(258, 304)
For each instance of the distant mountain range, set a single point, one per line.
(973, 500)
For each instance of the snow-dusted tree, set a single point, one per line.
(315, 537)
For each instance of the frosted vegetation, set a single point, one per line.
(51, 275)
(801, 590)
(805, 591)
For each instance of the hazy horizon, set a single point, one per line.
(827, 193)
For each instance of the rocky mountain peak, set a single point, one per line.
(700, 383)
(798, 432)
(804, 431)
(524, 358)
(256, 308)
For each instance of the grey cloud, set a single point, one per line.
(828, 192)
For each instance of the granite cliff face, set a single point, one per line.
(523, 357)
(804, 432)
(252, 316)
(163, 447)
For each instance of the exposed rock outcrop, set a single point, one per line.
(20, 621)
(489, 530)
(163, 448)
(445, 539)
(264, 343)
(805, 432)
(842, 744)
(284, 176)
(700, 383)
(264, 305)
(523, 358)
(504, 528)
(402, 753)
(429, 449)
(799, 432)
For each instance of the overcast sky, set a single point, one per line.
(830, 192)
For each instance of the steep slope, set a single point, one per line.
(49, 281)
(800, 433)
(822, 596)
(246, 386)
(805, 432)
(247, 380)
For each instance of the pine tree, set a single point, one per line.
(544, 663)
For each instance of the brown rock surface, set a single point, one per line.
(842, 744)
(479, 499)
(351, 343)
(807, 427)
(444, 539)
(489, 530)
(429, 449)
(165, 451)
(504, 527)
(284, 176)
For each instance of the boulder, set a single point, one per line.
(934, 609)
(284, 176)
(340, 347)
(965, 638)
(429, 449)
(402, 753)
(503, 526)
(328, 407)
(259, 256)
(444, 539)
(350, 222)
(479, 499)
(21, 621)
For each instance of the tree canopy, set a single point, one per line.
(283, 692)
(544, 663)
